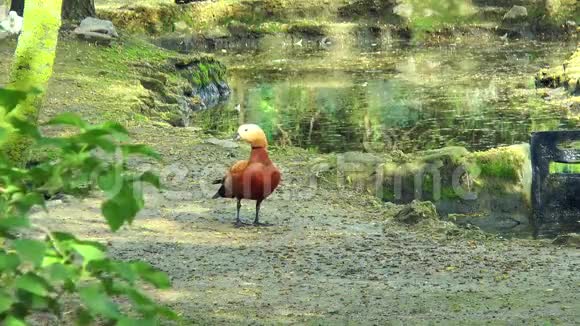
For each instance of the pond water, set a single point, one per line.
(396, 98)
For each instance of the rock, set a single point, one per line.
(180, 26)
(450, 154)
(222, 142)
(11, 25)
(569, 240)
(153, 84)
(416, 212)
(516, 12)
(320, 168)
(96, 30)
(404, 10)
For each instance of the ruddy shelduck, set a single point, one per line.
(253, 179)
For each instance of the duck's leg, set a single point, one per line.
(257, 219)
(239, 222)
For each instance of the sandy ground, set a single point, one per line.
(332, 258)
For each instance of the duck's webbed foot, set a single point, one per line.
(240, 224)
(258, 223)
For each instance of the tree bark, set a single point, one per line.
(31, 70)
(78, 9)
(18, 6)
(71, 9)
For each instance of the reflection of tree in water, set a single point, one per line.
(431, 102)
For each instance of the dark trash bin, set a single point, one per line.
(555, 196)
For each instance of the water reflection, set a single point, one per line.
(406, 99)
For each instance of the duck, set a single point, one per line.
(253, 179)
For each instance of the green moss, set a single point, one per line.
(503, 163)
(557, 167)
(204, 74)
(203, 71)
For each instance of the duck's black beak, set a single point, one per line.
(236, 137)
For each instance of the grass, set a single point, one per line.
(566, 168)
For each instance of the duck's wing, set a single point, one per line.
(239, 167)
(226, 182)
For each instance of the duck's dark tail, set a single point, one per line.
(221, 191)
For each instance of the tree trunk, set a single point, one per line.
(78, 9)
(71, 9)
(31, 69)
(18, 6)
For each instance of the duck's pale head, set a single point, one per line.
(252, 134)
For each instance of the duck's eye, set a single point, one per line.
(246, 130)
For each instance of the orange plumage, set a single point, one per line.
(254, 179)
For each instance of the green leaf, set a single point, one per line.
(68, 118)
(30, 250)
(5, 302)
(90, 135)
(29, 200)
(14, 222)
(24, 127)
(114, 213)
(141, 149)
(3, 134)
(83, 317)
(151, 178)
(116, 129)
(124, 206)
(97, 266)
(58, 272)
(167, 313)
(139, 299)
(151, 275)
(9, 98)
(63, 236)
(97, 302)
(8, 262)
(105, 144)
(32, 283)
(125, 271)
(148, 307)
(89, 252)
(109, 179)
(13, 321)
(136, 322)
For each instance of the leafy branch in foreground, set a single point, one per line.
(38, 272)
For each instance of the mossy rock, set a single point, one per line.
(567, 75)
(307, 29)
(453, 154)
(503, 170)
(152, 84)
(569, 240)
(503, 163)
(417, 211)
